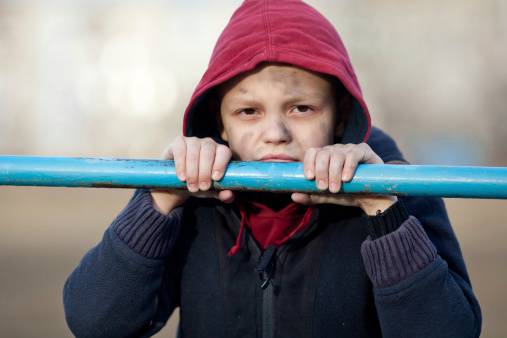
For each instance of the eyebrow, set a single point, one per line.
(246, 99)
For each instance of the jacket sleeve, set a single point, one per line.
(420, 283)
(125, 286)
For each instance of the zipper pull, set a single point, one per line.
(266, 265)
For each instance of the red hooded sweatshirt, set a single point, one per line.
(282, 31)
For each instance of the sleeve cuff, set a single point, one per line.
(387, 221)
(398, 255)
(144, 229)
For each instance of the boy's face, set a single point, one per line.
(276, 112)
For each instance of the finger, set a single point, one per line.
(322, 169)
(369, 156)
(310, 199)
(226, 196)
(206, 159)
(192, 163)
(335, 172)
(301, 198)
(167, 154)
(179, 151)
(348, 200)
(351, 160)
(309, 163)
(222, 158)
(205, 194)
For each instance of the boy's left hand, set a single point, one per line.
(331, 165)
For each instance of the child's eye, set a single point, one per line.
(247, 112)
(302, 109)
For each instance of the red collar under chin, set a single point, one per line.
(268, 226)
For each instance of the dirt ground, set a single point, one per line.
(45, 231)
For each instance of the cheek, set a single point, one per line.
(327, 132)
(315, 135)
(246, 138)
(241, 145)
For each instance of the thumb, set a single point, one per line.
(226, 196)
(309, 199)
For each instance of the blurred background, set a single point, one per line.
(109, 78)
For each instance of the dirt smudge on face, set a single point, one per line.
(245, 138)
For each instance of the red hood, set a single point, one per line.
(285, 31)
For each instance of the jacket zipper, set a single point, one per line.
(266, 269)
(267, 311)
(266, 275)
(266, 286)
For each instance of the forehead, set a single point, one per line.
(286, 77)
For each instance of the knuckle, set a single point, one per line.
(177, 143)
(323, 154)
(364, 145)
(224, 150)
(335, 165)
(351, 150)
(192, 140)
(208, 142)
(351, 155)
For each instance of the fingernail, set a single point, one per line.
(309, 174)
(181, 176)
(192, 187)
(334, 187)
(322, 185)
(204, 185)
(216, 175)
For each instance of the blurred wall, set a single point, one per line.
(112, 78)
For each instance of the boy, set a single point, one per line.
(279, 87)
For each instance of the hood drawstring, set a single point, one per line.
(235, 248)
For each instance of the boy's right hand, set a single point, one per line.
(197, 161)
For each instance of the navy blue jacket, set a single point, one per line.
(398, 274)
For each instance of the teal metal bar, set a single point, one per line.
(414, 180)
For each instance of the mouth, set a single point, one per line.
(278, 158)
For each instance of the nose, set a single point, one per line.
(276, 131)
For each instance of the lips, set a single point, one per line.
(278, 158)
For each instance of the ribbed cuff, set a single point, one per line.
(398, 255)
(144, 229)
(387, 221)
